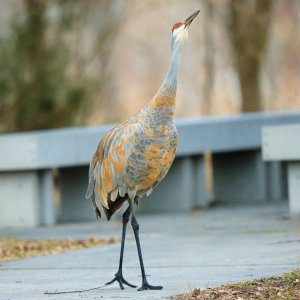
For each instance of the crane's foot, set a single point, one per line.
(147, 286)
(120, 279)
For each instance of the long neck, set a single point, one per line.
(170, 80)
(165, 96)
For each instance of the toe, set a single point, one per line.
(129, 284)
(110, 282)
(156, 287)
(147, 286)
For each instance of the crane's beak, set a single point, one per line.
(189, 20)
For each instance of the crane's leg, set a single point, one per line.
(135, 227)
(119, 275)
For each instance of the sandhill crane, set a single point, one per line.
(133, 157)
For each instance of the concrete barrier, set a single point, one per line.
(282, 143)
(27, 161)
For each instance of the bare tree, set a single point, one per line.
(248, 26)
(209, 66)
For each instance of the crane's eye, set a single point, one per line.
(176, 25)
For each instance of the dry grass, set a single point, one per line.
(12, 248)
(286, 287)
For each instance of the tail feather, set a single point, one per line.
(96, 208)
(91, 195)
(114, 206)
(90, 189)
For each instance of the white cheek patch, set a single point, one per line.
(181, 34)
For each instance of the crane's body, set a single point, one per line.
(133, 157)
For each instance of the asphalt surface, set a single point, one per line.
(181, 252)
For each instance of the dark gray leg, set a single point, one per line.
(119, 275)
(135, 227)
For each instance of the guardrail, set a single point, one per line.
(28, 159)
(282, 143)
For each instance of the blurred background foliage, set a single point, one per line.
(73, 62)
(44, 81)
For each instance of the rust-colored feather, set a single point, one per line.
(130, 160)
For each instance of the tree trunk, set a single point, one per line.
(248, 28)
(209, 64)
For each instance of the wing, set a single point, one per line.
(107, 174)
(167, 159)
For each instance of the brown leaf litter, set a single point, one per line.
(12, 248)
(285, 287)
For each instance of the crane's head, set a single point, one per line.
(180, 30)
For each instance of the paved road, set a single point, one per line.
(181, 252)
